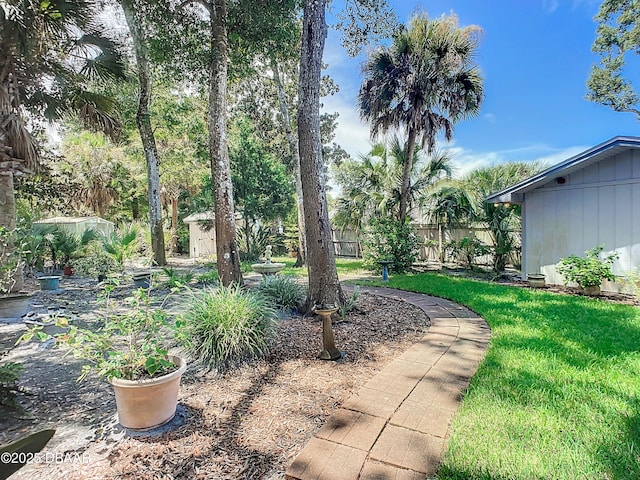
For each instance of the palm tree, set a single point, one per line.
(425, 81)
(371, 184)
(500, 219)
(48, 52)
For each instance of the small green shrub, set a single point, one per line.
(95, 262)
(9, 377)
(209, 278)
(283, 290)
(176, 279)
(470, 248)
(227, 325)
(350, 303)
(392, 240)
(587, 271)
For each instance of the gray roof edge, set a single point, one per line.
(543, 176)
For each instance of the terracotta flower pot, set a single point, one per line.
(148, 403)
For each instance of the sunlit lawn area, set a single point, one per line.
(558, 394)
(345, 267)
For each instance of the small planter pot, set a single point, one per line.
(142, 280)
(49, 283)
(67, 270)
(149, 403)
(591, 290)
(536, 280)
(14, 305)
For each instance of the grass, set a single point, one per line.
(345, 266)
(558, 394)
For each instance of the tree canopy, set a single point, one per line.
(617, 38)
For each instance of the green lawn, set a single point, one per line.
(558, 394)
(345, 266)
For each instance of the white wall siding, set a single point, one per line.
(598, 204)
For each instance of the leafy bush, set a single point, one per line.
(209, 278)
(130, 345)
(95, 262)
(470, 248)
(9, 377)
(392, 240)
(121, 244)
(589, 270)
(226, 325)
(350, 303)
(176, 279)
(284, 291)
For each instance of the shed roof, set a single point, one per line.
(199, 217)
(61, 220)
(603, 151)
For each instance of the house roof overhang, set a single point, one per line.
(614, 146)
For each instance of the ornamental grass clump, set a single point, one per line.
(587, 271)
(226, 325)
(283, 291)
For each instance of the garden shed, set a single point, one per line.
(77, 225)
(202, 234)
(589, 199)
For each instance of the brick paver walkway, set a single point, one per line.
(396, 426)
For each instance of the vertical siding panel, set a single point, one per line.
(561, 225)
(635, 225)
(535, 231)
(576, 222)
(606, 218)
(591, 225)
(607, 169)
(623, 166)
(590, 174)
(576, 178)
(623, 215)
(635, 162)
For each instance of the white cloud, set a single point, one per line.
(468, 160)
(351, 134)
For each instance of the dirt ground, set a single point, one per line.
(249, 423)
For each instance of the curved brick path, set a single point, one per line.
(396, 426)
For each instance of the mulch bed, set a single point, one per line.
(249, 422)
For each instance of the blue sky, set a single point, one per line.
(535, 58)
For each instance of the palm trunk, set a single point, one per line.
(324, 287)
(406, 176)
(8, 217)
(143, 122)
(295, 154)
(228, 255)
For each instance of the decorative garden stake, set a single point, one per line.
(385, 269)
(329, 352)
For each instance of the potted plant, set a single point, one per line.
(536, 280)
(588, 271)
(66, 247)
(130, 350)
(96, 263)
(13, 301)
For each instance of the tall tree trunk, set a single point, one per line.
(324, 287)
(8, 215)
(174, 223)
(295, 154)
(406, 175)
(143, 121)
(228, 255)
